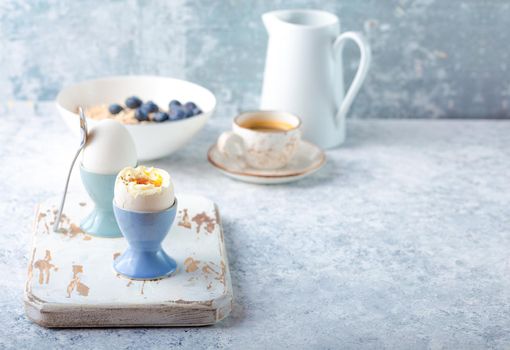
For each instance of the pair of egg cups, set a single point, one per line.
(144, 231)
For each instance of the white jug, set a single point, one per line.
(304, 75)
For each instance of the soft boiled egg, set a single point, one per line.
(144, 189)
(109, 148)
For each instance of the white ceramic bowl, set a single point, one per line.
(152, 140)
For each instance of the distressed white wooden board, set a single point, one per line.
(71, 281)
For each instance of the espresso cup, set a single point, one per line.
(262, 139)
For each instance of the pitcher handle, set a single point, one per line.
(364, 64)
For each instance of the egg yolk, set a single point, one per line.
(144, 181)
(150, 178)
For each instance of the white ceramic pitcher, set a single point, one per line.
(304, 75)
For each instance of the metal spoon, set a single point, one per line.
(83, 128)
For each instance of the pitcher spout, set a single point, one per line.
(269, 19)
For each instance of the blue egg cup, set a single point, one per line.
(144, 231)
(101, 221)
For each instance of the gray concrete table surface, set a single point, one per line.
(401, 241)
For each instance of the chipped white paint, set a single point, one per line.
(70, 274)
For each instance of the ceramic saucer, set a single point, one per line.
(308, 159)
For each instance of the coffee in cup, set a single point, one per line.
(262, 139)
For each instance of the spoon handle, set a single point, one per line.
(59, 214)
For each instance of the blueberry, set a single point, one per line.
(115, 108)
(160, 117)
(188, 108)
(197, 111)
(173, 104)
(140, 115)
(190, 105)
(133, 102)
(188, 112)
(177, 114)
(149, 107)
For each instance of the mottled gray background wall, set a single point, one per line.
(431, 58)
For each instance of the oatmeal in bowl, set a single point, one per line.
(162, 114)
(135, 111)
